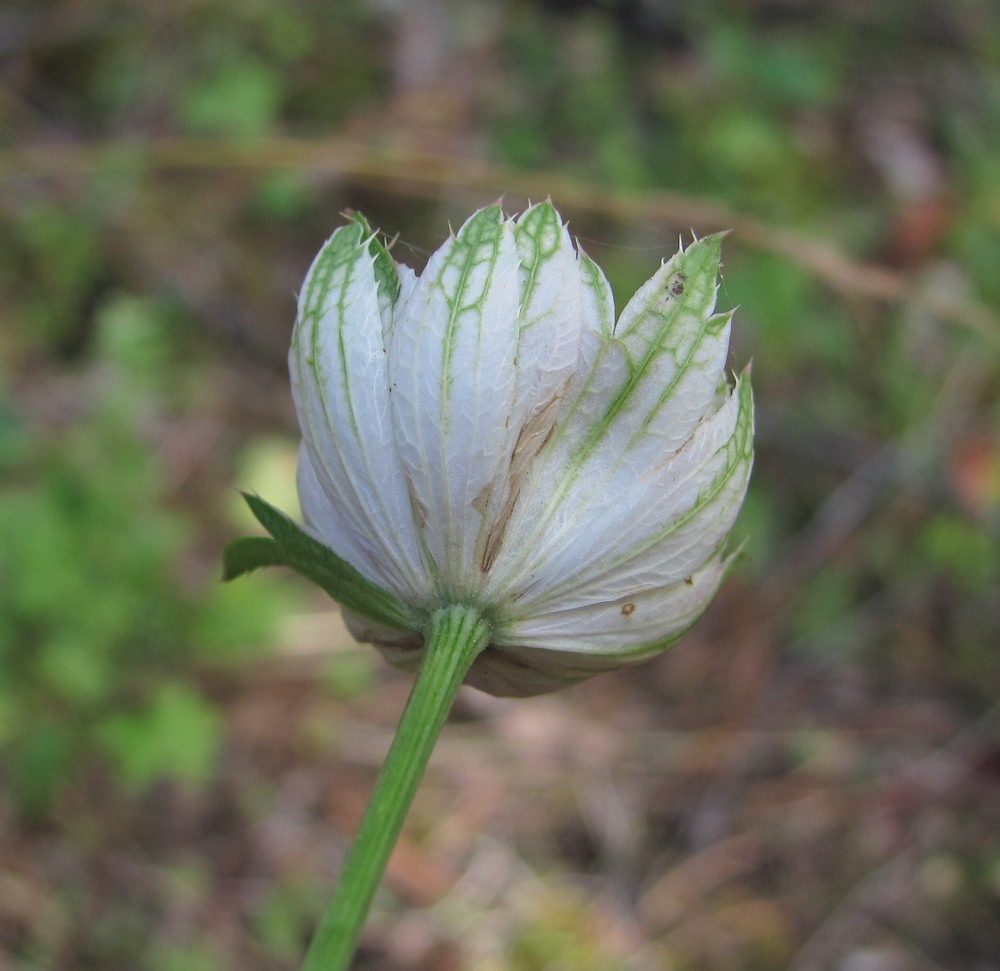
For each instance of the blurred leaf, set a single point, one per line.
(284, 921)
(14, 438)
(73, 671)
(240, 98)
(793, 69)
(189, 957)
(42, 762)
(176, 734)
(824, 614)
(283, 196)
(133, 334)
(350, 674)
(237, 619)
(965, 550)
(266, 466)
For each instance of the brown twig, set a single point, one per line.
(400, 169)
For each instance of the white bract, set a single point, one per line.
(488, 434)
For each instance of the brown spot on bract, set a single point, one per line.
(418, 508)
(689, 581)
(532, 438)
(482, 501)
(627, 609)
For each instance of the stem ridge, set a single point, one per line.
(454, 638)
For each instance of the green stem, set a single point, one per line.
(453, 640)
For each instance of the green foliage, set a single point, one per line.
(240, 98)
(98, 628)
(188, 957)
(961, 550)
(176, 732)
(351, 674)
(824, 621)
(782, 70)
(285, 919)
(50, 270)
(560, 934)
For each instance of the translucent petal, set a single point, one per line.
(676, 351)
(549, 329)
(331, 523)
(452, 380)
(550, 309)
(555, 649)
(631, 625)
(657, 373)
(597, 351)
(340, 384)
(640, 396)
(655, 517)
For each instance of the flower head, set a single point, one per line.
(487, 433)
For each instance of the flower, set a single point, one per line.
(487, 434)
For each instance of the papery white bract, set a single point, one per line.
(488, 434)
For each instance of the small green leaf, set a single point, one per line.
(250, 553)
(295, 548)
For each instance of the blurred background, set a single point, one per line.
(810, 780)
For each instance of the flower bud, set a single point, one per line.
(489, 434)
